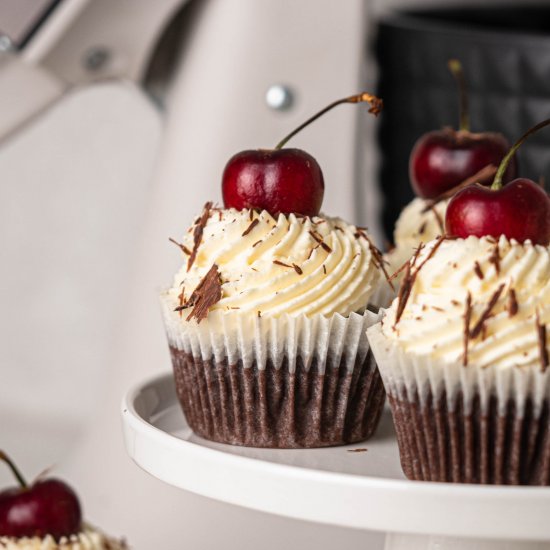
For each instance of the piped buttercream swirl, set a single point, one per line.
(284, 265)
(509, 288)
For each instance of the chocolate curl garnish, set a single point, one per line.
(485, 175)
(476, 331)
(543, 350)
(197, 233)
(467, 317)
(438, 219)
(317, 238)
(376, 254)
(252, 225)
(477, 270)
(181, 246)
(494, 258)
(207, 293)
(410, 277)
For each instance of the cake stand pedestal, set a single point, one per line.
(360, 486)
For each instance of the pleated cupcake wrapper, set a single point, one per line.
(463, 423)
(251, 340)
(284, 382)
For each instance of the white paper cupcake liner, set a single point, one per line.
(466, 424)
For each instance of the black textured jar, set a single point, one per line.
(505, 53)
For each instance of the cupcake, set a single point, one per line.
(463, 354)
(46, 515)
(266, 324)
(266, 318)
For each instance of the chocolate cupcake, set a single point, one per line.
(266, 325)
(463, 353)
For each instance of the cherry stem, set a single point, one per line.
(456, 69)
(13, 468)
(375, 102)
(497, 182)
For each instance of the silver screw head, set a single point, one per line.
(279, 97)
(96, 58)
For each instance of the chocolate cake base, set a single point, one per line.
(275, 408)
(440, 444)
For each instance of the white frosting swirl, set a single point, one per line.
(88, 539)
(417, 223)
(289, 265)
(433, 321)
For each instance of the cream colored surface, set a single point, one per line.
(283, 265)
(25, 91)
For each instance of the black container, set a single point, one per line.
(505, 53)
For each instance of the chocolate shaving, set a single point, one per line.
(438, 219)
(252, 225)
(200, 224)
(543, 350)
(467, 317)
(324, 269)
(512, 302)
(319, 240)
(477, 270)
(277, 262)
(376, 254)
(311, 251)
(184, 249)
(485, 175)
(474, 333)
(256, 243)
(410, 276)
(494, 258)
(422, 228)
(298, 269)
(359, 450)
(259, 314)
(251, 214)
(207, 293)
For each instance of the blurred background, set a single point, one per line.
(116, 120)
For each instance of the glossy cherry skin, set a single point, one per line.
(443, 159)
(48, 507)
(276, 180)
(520, 210)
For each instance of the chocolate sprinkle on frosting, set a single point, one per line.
(197, 233)
(252, 225)
(207, 293)
(512, 303)
(319, 239)
(298, 269)
(477, 270)
(543, 350)
(467, 317)
(476, 331)
(494, 258)
(278, 262)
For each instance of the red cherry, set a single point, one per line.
(47, 507)
(520, 210)
(281, 180)
(277, 180)
(441, 160)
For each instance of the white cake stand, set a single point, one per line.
(360, 486)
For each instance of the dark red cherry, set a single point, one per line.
(519, 210)
(281, 180)
(47, 507)
(443, 159)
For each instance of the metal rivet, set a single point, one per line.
(96, 58)
(279, 97)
